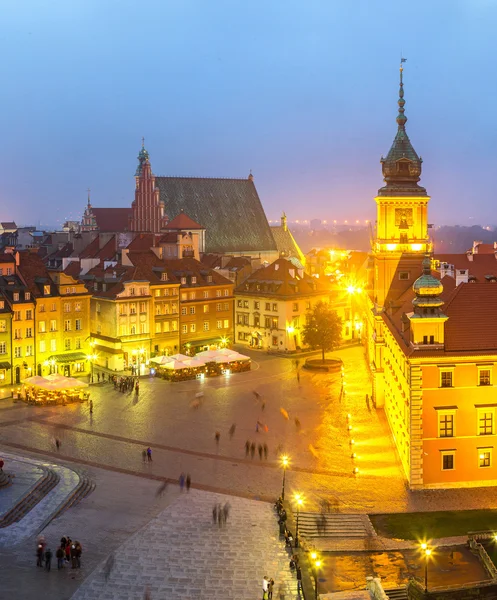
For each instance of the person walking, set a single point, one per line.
(57, 444)
(266, 451)
(259, 449)
(91, 407)
(79, 551)
(252, 449)
(247, 448)
(270, 587)
(137, 388)
(74, 562)
(149, 454)
(298, 376)
(232, 430)
(161, 489)
(48, 559)
(181, 482)
(109, 565)
(59, 555)
(265, 584)
(217, 436)
(367, 402)
(188, 482)
(39, 555)
(299, 578)
(214, 514)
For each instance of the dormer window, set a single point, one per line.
(163, 277)
(209, 278)
(16, 297)
(27, 296)
(183, 280)
(46, 290)
(194, 280)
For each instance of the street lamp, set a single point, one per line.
(427, 552)
(299, 501)
(92, 358)
(284, 464)
(316, 564)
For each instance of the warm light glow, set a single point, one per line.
(391, 247)
(298, 499)
(284, 461)
(356, 470)
(318, 564)
(416, 247)
(424, 546)
(482, 456)
(427, 552)
(350, 289)
(290, 329)
(359, 290)
(314, 555)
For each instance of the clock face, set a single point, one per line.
(403, 216)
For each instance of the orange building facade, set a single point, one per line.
(431, 339)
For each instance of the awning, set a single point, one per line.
(4, 365)
(104, 349)
(208, 342)
(67, 358)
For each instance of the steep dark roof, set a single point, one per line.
(8, 225)
(229, 209)
(112, 219)
(285, 242)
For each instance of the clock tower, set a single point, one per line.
(401, 237)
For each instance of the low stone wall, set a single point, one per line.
(483, 590)
(484, 557)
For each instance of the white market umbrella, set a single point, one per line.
(180, 357)
(161, 360)
(72, 382)
(55, 377)
(36, 380)
(208, 354)
(226, 351)
(175, 365)
(236, 357)
(194, 362)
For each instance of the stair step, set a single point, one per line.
(397, 593)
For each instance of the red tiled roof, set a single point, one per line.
(112, 219)
(73, 269)
(479, 267)
(183, 221)
(142, 242)
(484, 249)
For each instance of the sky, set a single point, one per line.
(303, 93)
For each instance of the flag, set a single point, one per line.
(402, 60)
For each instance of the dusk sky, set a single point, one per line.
(303, 93)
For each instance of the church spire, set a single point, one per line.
(143, 157)
(402, 166)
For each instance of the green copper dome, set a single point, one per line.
(427, 288)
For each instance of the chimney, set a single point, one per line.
(250, 177)
(469, 254)
(462, 276)
(284, 222)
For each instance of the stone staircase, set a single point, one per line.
(84, 488)
(43, 486)
(337, 525)
(399, 593)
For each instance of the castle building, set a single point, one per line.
(431, 338)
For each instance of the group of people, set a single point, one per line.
(220, 514)
(126, 384)
(261, 448)
(67, 552)
(267, 588)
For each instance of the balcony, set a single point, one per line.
(188, 254)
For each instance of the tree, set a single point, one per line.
(323, 328)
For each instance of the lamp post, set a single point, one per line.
(284, 464)
(316, 564)
(427, 553)
(299, 501)
(92, 358)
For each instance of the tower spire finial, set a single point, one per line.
(88, 190)
(401, 118)
(143, 142)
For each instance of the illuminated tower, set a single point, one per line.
(147, 207)
(401, 224)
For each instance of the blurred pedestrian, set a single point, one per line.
(252, 449)
(247, 448)
(39, 555)
(299, 579)
(91, 407)
(214, 514)
(260, 449)
(270, 589)
(98, 377)
(181, 482)
(109, 565)
(232, 430)
(297, 423)
(144, 455)
(217, 437)
(147, 594)
(57, 444)
(226, 511)
(48, 559)
(263, 405)
(149, 454)
(188, 482)
(298, 376)
(220, 515)
(161, 489)
(367, 402)
(59, 555)
(266, 450)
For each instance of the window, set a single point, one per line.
(143, 328)
(43, 346)
(163, 277)
(275, 307)
(143, 307)
(206, 294)
(27, 295)
(257, 305)
(192, 310)
(174, 325)
(257, 321)
(132, 291)
(239, 303)
(219, 324)
(53, 345)
(29, 332)
(194, 280)
(158, 309)
(184, 329)
(17, 334)
(98, 308)
(219, 305)
(78, 325)
(192, 295)
(174, 307)
(484, 457)
(46, 290)
(209, 278)
(218, 293)
(267, 322)
(143, 291)
(17, 352)
(268, 306)
(132, 330)
(206, 308)
(41, 308)
(485, 421)
(226, 323)
(446, 379)
(77, 306)
(184, 296)
(77, 343)
(448, 461)
(122, 310)
(157, 293)
(3, 325)
(16, 296)
(274, 340)
(29, 315)
(53, 325)
(183, 280)
(80, 367)
(245, 304)
(274, 323)
(67, 307)
(404, 275)
(193, 327)
(158, 328)
(183, 310)
(29, 350)
(484, 376)
(446, 424)
(17, 315)
(226, 305)
(206, 325)
(3, 348)
(9, 271)
(226, 292)
(166, 326)
(295, 306)
(67, 344)
(67, 325)
(132, 308)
